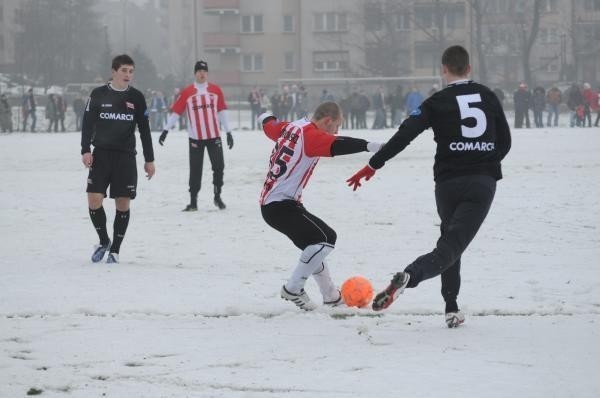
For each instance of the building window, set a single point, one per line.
(288, 24)
(330, 22)
(252, 24)
(592, 5)
(326, 61)
(252, 63)
(373, 17)
(549, 6)
(455, 17)
(424, 17)
(520, 6)
(403, 21)
(289, 62)
(548, 35)
(425, 57)
(549, 64)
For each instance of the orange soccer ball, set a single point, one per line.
(357, 291)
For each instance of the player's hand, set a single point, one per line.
(366, 172)
(149, 169)
(229, 140)
(163, 137)
(87, 159)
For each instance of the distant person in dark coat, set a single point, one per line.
(574, 103)
(522, 100)
(539, 103)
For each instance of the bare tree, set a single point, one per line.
(479, 10)
(528, 38)
(57, 40)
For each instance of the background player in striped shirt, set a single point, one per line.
(205, 106)
(298, 147)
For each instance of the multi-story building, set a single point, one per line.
(248, 42)
(585, 24)
(258, 42)
(8, 28)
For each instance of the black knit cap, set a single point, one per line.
(200, 65)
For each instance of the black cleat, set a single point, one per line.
(190, 208)
(219, 203)
(394, 289)
(99, 252)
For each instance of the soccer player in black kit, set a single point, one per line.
(472, 137)
(109, 122)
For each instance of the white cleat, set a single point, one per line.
(113, 258)
(301, 299)
(455, 319)
(339, 302)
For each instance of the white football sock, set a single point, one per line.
(323, 278)
(310, 261)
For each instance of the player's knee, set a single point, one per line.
(316, 252)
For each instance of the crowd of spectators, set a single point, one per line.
(537, 107)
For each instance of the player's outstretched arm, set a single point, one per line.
(349, 145)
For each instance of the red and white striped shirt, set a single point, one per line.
(299, 145)
(203, 102)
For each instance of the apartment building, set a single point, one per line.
(8, 28)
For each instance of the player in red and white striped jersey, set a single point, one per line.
(298, 147)
(205, 106)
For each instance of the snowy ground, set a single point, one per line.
(193, 309)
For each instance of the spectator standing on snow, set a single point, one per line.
(5, 115)
(28, 107)
(78, 109)
(539, 103)
(522, 101)
(553, 100)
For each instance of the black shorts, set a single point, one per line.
(114, 168)
(294, 221)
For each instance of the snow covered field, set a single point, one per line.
(193, 308)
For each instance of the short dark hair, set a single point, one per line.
(328, 108)
(456, 59)
(121, 60)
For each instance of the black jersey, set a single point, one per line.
(469, 127)
(110, 118)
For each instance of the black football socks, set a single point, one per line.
(98, 217)
(120, 226)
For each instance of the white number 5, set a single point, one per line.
(466, 111)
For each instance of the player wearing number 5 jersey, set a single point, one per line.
(472, 137)
(298, 147)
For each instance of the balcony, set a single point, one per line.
(221, 7)
(222, 42)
